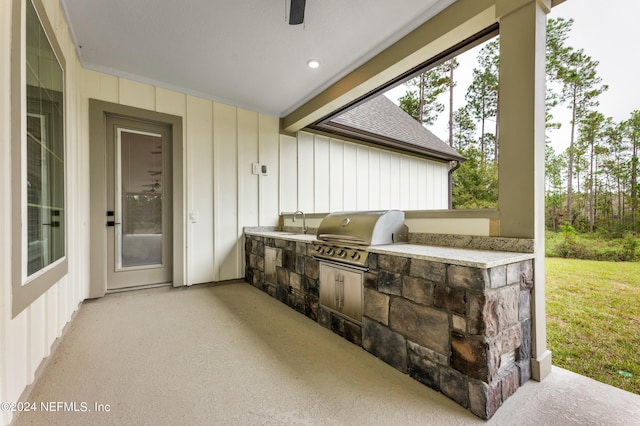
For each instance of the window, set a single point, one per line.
(44, 174)
(38, 156)
(45, 149)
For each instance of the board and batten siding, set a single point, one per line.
(222, 195)
(26, 339)
(321, 174)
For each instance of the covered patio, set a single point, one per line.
(232, 91)
(230, 354)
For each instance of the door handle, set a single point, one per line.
(112, 223)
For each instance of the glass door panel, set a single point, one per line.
(139, 193)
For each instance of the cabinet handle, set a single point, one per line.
(341, 291)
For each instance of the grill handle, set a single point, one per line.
(342, 239)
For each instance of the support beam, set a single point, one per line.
(522, 142)
(461, 20)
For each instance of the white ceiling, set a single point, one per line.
(241, 52)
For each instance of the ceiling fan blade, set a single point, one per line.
(296, 14)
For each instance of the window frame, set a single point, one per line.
(26, 289)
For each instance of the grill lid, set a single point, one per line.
(366, 228)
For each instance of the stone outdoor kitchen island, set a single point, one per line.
(457, 320)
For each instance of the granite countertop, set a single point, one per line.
(456, 256)
(290, 236)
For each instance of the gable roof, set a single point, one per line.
(382, 122)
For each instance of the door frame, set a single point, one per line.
(98, 112)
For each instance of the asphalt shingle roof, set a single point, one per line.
(381, 117)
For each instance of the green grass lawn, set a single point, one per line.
(593, 319)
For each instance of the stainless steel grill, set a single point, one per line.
(344, 236)
(343, 239)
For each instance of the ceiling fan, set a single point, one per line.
(153, 187)
(296, 12)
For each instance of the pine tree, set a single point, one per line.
(615, 167)
(422, 103)
(475, 183)
(632, 132)
(482, 94)
(554, 165)
(464, 129)
(581, 87)
(591, 130)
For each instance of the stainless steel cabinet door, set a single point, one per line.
(341, 290)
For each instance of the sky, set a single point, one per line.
(606, 31)
(609, 33)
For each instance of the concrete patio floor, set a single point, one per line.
(230, 354)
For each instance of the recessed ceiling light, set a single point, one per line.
(313, 63)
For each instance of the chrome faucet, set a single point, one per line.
(304, 220)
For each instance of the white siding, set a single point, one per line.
(305, 166)
(220, 142)
(199, 129)
(269, 153)
(248, 183)
(385, 180)
(26, 339)
(375, 190)
(321, 190)
(225, 194)
(350, 177)
(288, 173)
(405, 189)
(334, 175)
(362, 178)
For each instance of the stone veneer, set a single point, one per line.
(463, 331)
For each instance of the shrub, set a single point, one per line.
(592, 246)
(629, 246)
(569, 247)
(568, 233)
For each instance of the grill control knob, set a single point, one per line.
(330, 251)
(319, 249)
(342, 253)
(355, 255)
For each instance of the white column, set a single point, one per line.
(522, 143)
